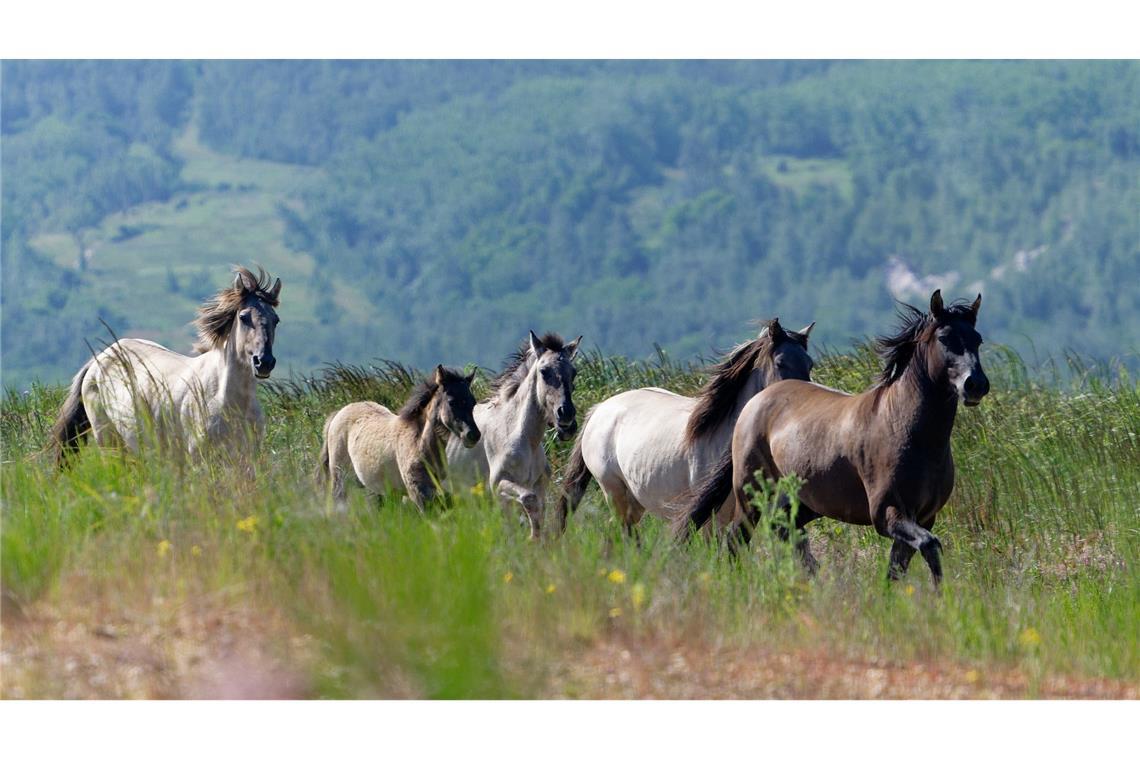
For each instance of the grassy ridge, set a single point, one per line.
(1041, 544)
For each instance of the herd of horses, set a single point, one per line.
(881, 457)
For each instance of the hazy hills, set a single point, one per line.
(434, 211)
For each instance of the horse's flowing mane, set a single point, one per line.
(897, 350)
(424, 392)
(514, 370)
(717, 399)
(216, 316)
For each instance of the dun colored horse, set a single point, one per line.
(534, 391)
(405, 450)
(136, 388)
(649, 447)
(879, 458)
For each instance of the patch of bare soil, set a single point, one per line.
(204, 650)
(623, 667)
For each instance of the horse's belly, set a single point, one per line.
(832, 485)
(373, 459)
(837, 493)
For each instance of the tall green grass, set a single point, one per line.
(1041, 541)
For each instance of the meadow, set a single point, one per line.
(137, 576)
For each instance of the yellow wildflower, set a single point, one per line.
(163, 548)
(909, 590)
(1029, 637)
(972, 676)
(550, 589)
(637, 595)
(248, 525)
(508, 577)
(196, 551)
(615, 612)
(477, 489)
(616, 576)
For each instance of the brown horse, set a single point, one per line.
(879, 458)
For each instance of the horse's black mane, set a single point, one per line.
(507, 382)
(897, 350)
(718, 396)
(423, 393)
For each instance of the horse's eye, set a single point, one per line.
(246, 318)
(550, 376)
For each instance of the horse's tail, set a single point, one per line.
(710, 495)
(323, 471)
(573, 483)
(72, 423)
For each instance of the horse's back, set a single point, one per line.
(808, 429)
(363, 435)
(130, 374)
(636, 440)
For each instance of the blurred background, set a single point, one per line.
(433, 211)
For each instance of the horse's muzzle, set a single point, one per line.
(975, 389)
(567, 431)
(263, 365)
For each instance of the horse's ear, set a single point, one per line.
(806, 332)
(438, 378)
(571, 348)
(936, 307)
(536, 344)
(977, 304)
(244, 282)
(276, 289)
(776, 331)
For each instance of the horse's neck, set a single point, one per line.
(226, 377)
(431, 435)
(922, 410)
(522, 413)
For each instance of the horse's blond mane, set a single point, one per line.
(216, 316)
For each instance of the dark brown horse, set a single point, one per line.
(879, 458)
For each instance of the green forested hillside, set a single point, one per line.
(433, 211)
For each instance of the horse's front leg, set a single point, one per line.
(893, 523)
(901, 553)
(531, 502)
(420, 486)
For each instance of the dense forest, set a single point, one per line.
(456, 204)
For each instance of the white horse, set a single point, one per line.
(648, 448)
(136, 390)
(404, 451)
(534, 391)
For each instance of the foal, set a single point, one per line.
(533, 392)
(879, 458)
(389, 451)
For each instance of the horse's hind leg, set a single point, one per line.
(628, 509)
(804, 515)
